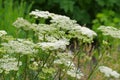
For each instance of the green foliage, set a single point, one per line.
(84, 11)
(49, 46)
(48, 56)
(108, 3)
(9, 11)
(107, 18)
(49, 53)
(66, 5)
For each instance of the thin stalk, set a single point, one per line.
(18, 60)
(56, 75)
(41, 67)
(69, 65)
(26, 61)
(95, 67)
(60, 74)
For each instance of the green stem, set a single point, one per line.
(70, 64)
(96, 66)
(26, 63)
(42, 66)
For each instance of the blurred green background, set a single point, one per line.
(91, 13)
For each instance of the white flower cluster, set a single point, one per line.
(41, 14)
(75, 73)
(44, 28)
(65, 59)
(60, 44)
(109, 72)
(46, 15)
(84, 31)
(50, 39)
(7, 64)
(111, 31)
(2, 33)
(64, 23)
(20, 46)
(22, 23)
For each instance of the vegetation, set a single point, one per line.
(40, 45)
(9, 12)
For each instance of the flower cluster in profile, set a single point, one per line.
(111, 31)
(22, 23)
(9, 63)
(2, 33)
(66, 60)
(60, 44)
(109, 72)
(63, 25)
(75, 73)
(19, 46)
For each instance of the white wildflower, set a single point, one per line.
(60, 44)
(88, 32)
(59, 25)
(109, 72)
(64, 58)
(115, 74)
(46, 15)
(56, 17)
(76, 27)
(63, 22)
(19, 46)
(44, 28)
(65, 62)
(105, 70)
(22, 23)
(85, 31)
(59, 61)
(75, 73)
(82, 33)
(51, 39)
(41, 14)
(111, 31)
(8, 64)
(59, 21)
(2, 33)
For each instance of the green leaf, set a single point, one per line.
(81, 15)
(67, 5)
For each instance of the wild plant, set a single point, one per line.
(54, 47)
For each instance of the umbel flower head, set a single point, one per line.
(109, 72)
(60, 44)
(2, 33)
(42, 14)
(66, 60)
(65, 24)
(22, 23)
(8, 63)
(110, 31)
(19, 46)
